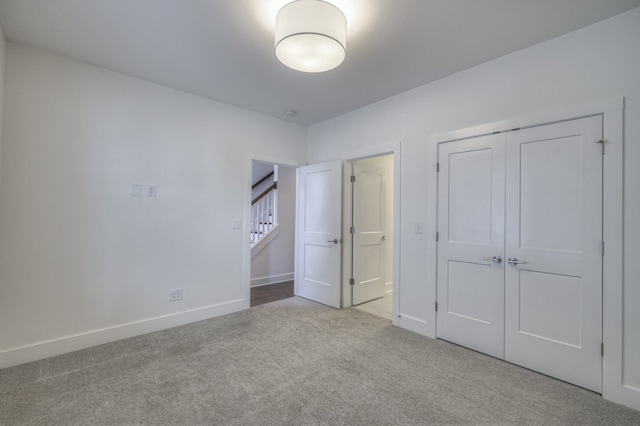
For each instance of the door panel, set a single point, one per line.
(550, 307)
(553, 317)
(318, 226)
(470, 202)
(469, 291)
(471, 228)
(551, 175)
(368, 241)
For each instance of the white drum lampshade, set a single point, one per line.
(311, 36)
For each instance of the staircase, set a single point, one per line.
(264, 211)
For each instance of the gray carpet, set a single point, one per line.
(291, 362)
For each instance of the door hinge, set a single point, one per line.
(436, 306)
(437, 236)
(352, 229)
(602, 349)
(438, 167)
(353, 178)
(602, 141)
(352, 281)
(602, 247)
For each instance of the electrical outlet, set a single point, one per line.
(152, 190)
(175, 295)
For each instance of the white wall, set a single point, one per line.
(385, 163)
(598, 62)
(81, 260)
(275, 262)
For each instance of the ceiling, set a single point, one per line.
(223, 49)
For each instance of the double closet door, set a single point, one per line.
(520, 247)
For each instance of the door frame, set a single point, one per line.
(612, 111)
(347, 246)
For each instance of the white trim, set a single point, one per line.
(295, 239)
(612, 110)
(394, 148)
(271, 279)
(42, 350)
(553, 115)
(346, 232)
(613, 384)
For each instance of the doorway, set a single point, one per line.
(324, 221)
(322, 258)
(271, 232)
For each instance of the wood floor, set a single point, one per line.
(271, 293)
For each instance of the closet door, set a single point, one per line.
(471, 243)
(553, 265)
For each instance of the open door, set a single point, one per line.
(319, 243)
(368, 238)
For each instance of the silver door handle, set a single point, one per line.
(334, 241)
(514, 261)
(496, 259)
(384, 238)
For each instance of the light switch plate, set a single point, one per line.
(236, 224)
(417, 227)
(136, 190)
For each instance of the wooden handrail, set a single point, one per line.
(265, 192)
(262, 180)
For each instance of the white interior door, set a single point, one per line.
(554, 223)
(471, 233)
(318, 256)
(534, 198)
(369, 198)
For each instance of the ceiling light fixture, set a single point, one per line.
(311, 36)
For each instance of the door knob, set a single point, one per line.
(384, 238)
(514, 261)
(496, 259)
(334, 241)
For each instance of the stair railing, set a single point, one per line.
(264, 213)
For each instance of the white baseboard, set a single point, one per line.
(272, 279)
(41, 350)
(413, 324)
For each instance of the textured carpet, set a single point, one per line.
(291, 362)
